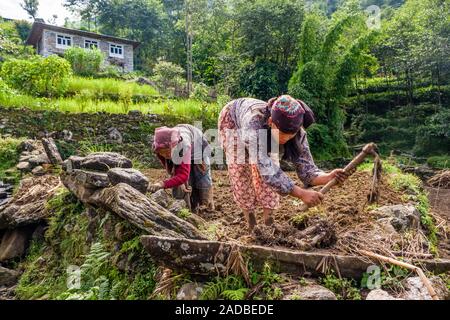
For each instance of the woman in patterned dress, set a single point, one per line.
(247, 125)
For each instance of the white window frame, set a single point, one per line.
(92, 41)
(116, 55)
(66, 37)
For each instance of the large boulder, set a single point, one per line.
(52, 151)
(131, 177)
(416, 290)
(28, 205)
(99, 161)
(13, 244)
(401, 217)
(190, 291)
(8, 277)
(311, 292)
(162, 198)
(379, 294)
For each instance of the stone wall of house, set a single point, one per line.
(48, 47)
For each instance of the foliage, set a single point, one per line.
(168, 76)
(229, 287)
(12, 35)
(101, 88)
(84, 62)
(345, 289)
(37, 76)
(439, 162)
(31, 7)
(9, 154)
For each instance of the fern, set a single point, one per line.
(238, 294)
(95, 261)
(215, 290)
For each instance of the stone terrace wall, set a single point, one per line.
(130, 134)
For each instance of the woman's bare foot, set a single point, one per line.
(251, 219)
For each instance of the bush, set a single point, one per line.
(37, 76)
(4, 88)
(84, 62)
(168, 76)
(439, 162)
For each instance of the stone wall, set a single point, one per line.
(48, 47)
(130, 134)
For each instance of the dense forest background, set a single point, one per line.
(372, 70)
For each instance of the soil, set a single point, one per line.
(344, 208)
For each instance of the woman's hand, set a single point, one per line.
(155, 187)
(310, 197)
(339, 174)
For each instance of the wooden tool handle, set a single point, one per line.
(368, 149)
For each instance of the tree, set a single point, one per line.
(31, 7)
(333, 52)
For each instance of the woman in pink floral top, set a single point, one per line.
(250, 130)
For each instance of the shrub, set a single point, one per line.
(37, 76)
(84, 62)
(168, 76)
(439, 162)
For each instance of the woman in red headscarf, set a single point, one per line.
(181, 151)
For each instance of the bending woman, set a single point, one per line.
(260, 183)
(180, 150)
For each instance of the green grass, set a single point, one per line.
(439, 162)
(109, 86)
(188, 108)
(9, 156)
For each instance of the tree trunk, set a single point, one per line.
(142, 212)
(211, 257)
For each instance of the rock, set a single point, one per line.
(36, 152)
(38, 160)
(73, 162)
(39, 233)
(52, 151)
(162, 198)
(114, 135)
(28, 205)
(135, 113)
(67, 135)
(92, 178)
(312, 292)
(102, 161)
(177, 206)
(131, 177)
(8, 277)
(27, 145)
(142, 212)
(13, 244)
(378, 294)
(190, 291)
(401, 217)
(82, 191)
(38, 171)
(416, 290)
(23, 166)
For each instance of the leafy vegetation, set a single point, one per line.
(66, 266)
(84, 62)
(345, 289)
(37, 76)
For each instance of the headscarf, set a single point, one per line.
(290, 114)
(165, 138)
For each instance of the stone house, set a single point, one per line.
(49, 39)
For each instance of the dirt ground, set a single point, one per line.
(344, 210)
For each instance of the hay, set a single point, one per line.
(440, 180)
